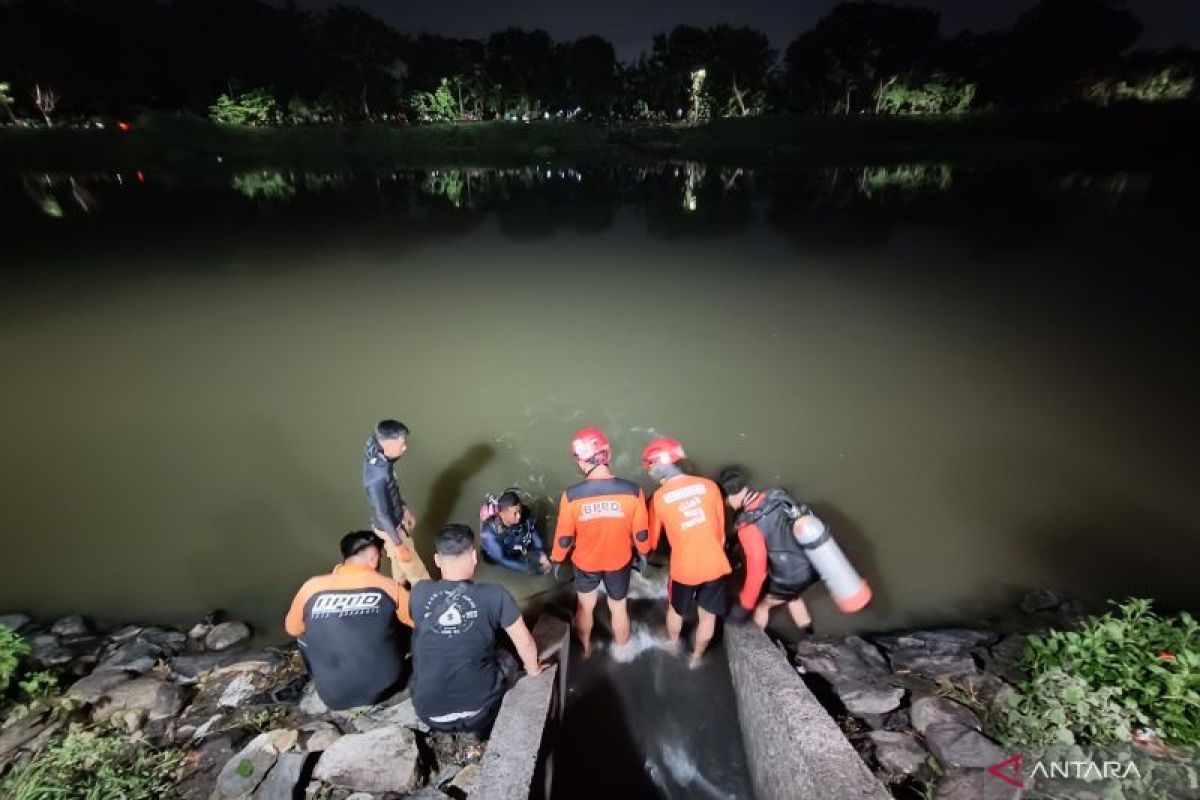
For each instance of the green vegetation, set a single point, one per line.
(1130, 666)
(12, 649)
(1170, 84)
(253, 108)
(938, 93)
(94, 765)
(264, 185)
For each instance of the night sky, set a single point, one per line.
(629, 24)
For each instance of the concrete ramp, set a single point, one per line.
(795, 749)
(517, 752)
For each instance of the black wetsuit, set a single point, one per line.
(383, 492)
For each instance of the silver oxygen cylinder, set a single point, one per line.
(849, 590)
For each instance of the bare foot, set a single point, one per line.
(695, 661)
(587, 650)
(672, 647)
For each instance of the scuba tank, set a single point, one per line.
(491, 503)
(784, 521)
(849, 590)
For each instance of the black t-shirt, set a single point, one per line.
(454, 645)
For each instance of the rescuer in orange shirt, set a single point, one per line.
(691, 511)
(602, 518)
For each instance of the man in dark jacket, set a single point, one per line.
(391, 517)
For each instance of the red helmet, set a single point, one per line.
(591, 445)
(662, 451)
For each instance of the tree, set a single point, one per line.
(739, 67)
(590, 75)
(359, 59)
(45, 101)
(520, 66)
(841, 63)
(1057, 43)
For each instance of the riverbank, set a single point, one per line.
(932, 712)
(1128, 136)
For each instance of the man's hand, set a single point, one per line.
(739, 615)
(537, 668)
(544, 564)
(407, 520)
(558, 569)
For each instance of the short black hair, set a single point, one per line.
(355, 542)
(454, 540)
(391, 429)
(508, 500)
(732, 480)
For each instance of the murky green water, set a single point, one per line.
(986, 379)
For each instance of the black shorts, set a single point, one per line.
(616, 582)
(710, 596)
(786, 592)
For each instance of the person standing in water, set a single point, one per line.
(391, 517)
(777, 569)
(602, 519)
(689, 508)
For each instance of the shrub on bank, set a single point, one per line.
(94, 765)
(12, 649)
(1127, 668)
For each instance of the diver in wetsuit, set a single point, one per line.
(510, 537)
(391, 517)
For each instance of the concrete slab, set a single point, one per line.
(795, 749)
(510, 763)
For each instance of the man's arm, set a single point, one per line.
(522, 639)
(640, 526)
(294, 623)
(654, 521)
(755, 548)
(381, 512)
(564, 531)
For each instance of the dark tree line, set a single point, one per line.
(119, 56)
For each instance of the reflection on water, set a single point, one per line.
(984, 378)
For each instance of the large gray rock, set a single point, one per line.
(194, 667)
(46, 650)
(95, 687)
(318, 735)
(936, 653)
(384, 716)
(14, 621)
(283, 778)
(975, 784)
(956, 745)
(243, 773)
(930, 710)
(158, 699)
(227, 635)
(134, 656)
(382, 760)
(239, 690)
(899, 754)
(73, 625)
(864, 698)
(851, 658)
(1041, 601)
(21, 731)
(203, 764)
(169, 641)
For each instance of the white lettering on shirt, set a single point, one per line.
(601, 509)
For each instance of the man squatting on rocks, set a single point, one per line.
(391, 517)
(458, 680)
(350, 626)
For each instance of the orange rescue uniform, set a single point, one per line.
(600, 518)
(692, 512)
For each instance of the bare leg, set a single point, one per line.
(704, 635)
(620, 620)
(674, 627)
(799, 612)
(762, 612)
(585, 611)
